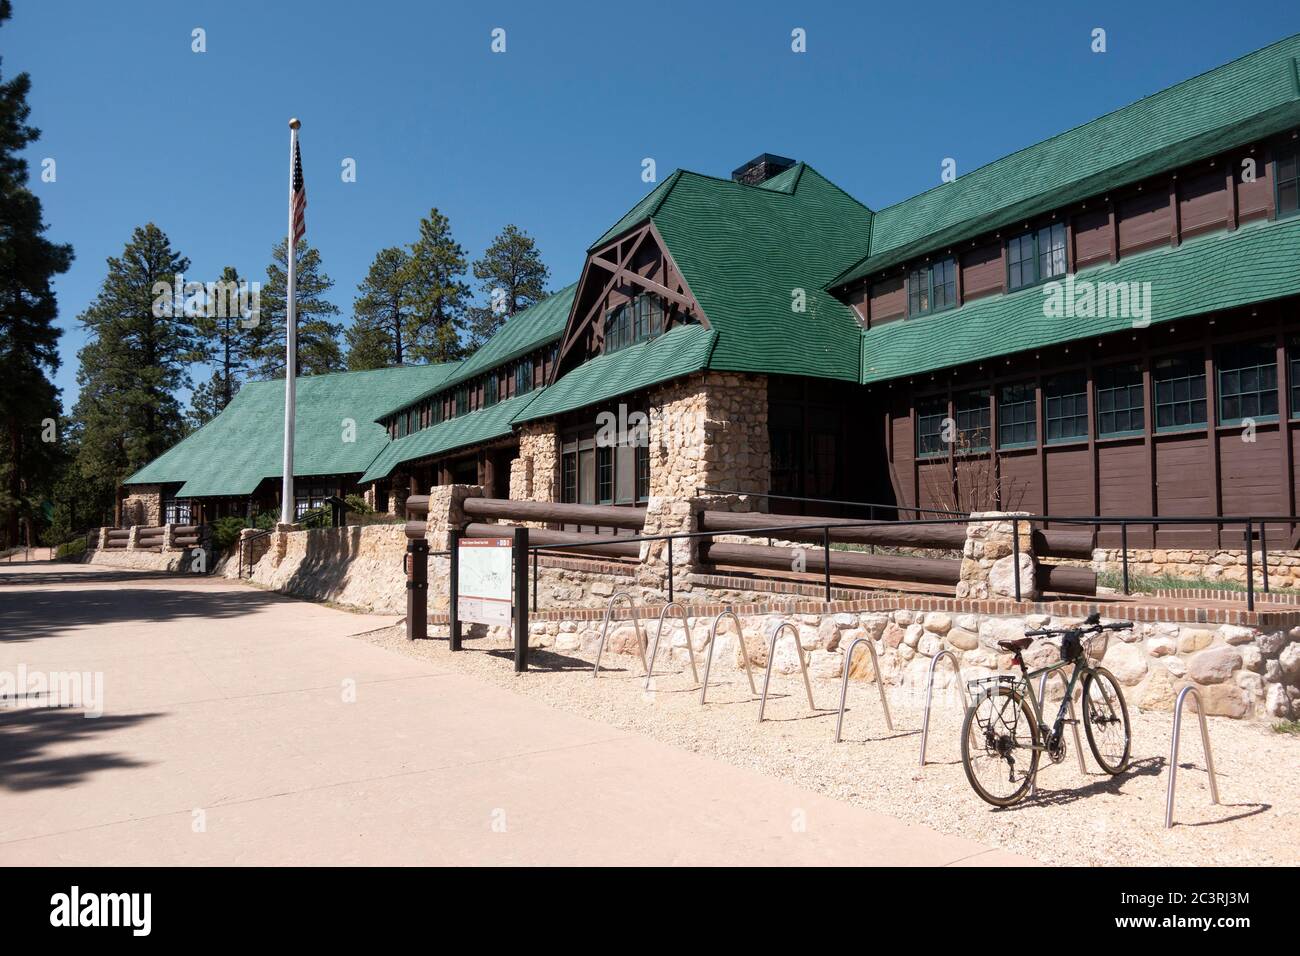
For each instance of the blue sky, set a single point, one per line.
(550, 134)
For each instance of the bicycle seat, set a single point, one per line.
(1019, 644)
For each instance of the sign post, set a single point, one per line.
(521, 599)
(453, 581)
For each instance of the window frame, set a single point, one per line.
(1036, 256)
(1293, 153)
(1098, 411)
(940, 402)
(1031, 387)
(1081, 377)
(980, 407)
(1156, 382)
(928, 269)
(1270, 347)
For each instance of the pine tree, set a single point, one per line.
(438, 294)
(226, 339)
(141, 343)
(318, 338)
(28, 309)
(512, 277)
(384, 319)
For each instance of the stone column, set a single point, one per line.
(534, 475)
(447, 511)
(988, 564)
(133, 537)
(167, 537)
(103, 539)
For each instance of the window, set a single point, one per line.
(310, 499)
(1017, 424)
(1247, 382)
(435, 412)
(932, 288)
(490, 390)
(1065, 407)
(649, 317)
(1293, 356)
(1036, 256)
(462, 400)
(1286, 169)
(642, 472)
(618, 329)
(1180, 391)
(569, 478)
(1121, 409)
(523, 377)
(605, 475)
(177, 511)
(971, 410)
(930, 416)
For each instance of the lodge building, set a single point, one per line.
(1104, 323)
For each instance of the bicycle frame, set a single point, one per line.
(1080, 669)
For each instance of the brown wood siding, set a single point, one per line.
(888, 300)
(982, 271)
(1250, 472)
(1202, 203)
(1022, 489)
(1069, 480)
(1143, 220)
(1091, 238)
(1255, 200)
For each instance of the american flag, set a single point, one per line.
(299, 197)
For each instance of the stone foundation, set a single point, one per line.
(142, 507)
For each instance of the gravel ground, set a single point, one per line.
(1075, 819)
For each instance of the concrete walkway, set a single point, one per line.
(241, 727)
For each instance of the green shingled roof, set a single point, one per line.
(1249, 98)
(747, 251)
(234, 452)
(1256, 263)
(520, 334)
(478, 426)
(679, 351)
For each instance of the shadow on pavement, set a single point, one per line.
(27, 735)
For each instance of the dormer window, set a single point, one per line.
(932, 288)
(1036, 256)
(635, 321)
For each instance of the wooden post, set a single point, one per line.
(453, 580)
(521, 599)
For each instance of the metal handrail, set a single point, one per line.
(690, 650)
(744, 653)
(771, 653)
(239, 569)
(929, 691)
(1173, 751)
(636, 621)
(844, 683)
(1074, 721)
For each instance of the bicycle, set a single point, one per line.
(994, 743)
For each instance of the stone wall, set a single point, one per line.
(1214, 565)
(143, 506)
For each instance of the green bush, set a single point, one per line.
(225, 533)
(357, 505)
(71, 549)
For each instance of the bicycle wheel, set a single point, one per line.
(1105, 718)
(999, 741)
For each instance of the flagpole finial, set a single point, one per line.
(294, 123)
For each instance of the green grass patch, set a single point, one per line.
(1160, 582)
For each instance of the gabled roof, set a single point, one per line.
(1252, 97)
(523, 332)
(679, 351)
(753, 255)
(476, 427)
(1258, 262)
(234, 452)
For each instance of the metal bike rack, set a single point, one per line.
(771, 653)
(1173, 752)
(604, 630)
(1074, 724)
(744, 654)
(929, 691)
(686, 623)
(844, 683)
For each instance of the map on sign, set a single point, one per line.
(484, 582)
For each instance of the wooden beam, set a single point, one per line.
(627, 275)
(571, 335)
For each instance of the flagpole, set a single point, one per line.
(287, 515)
